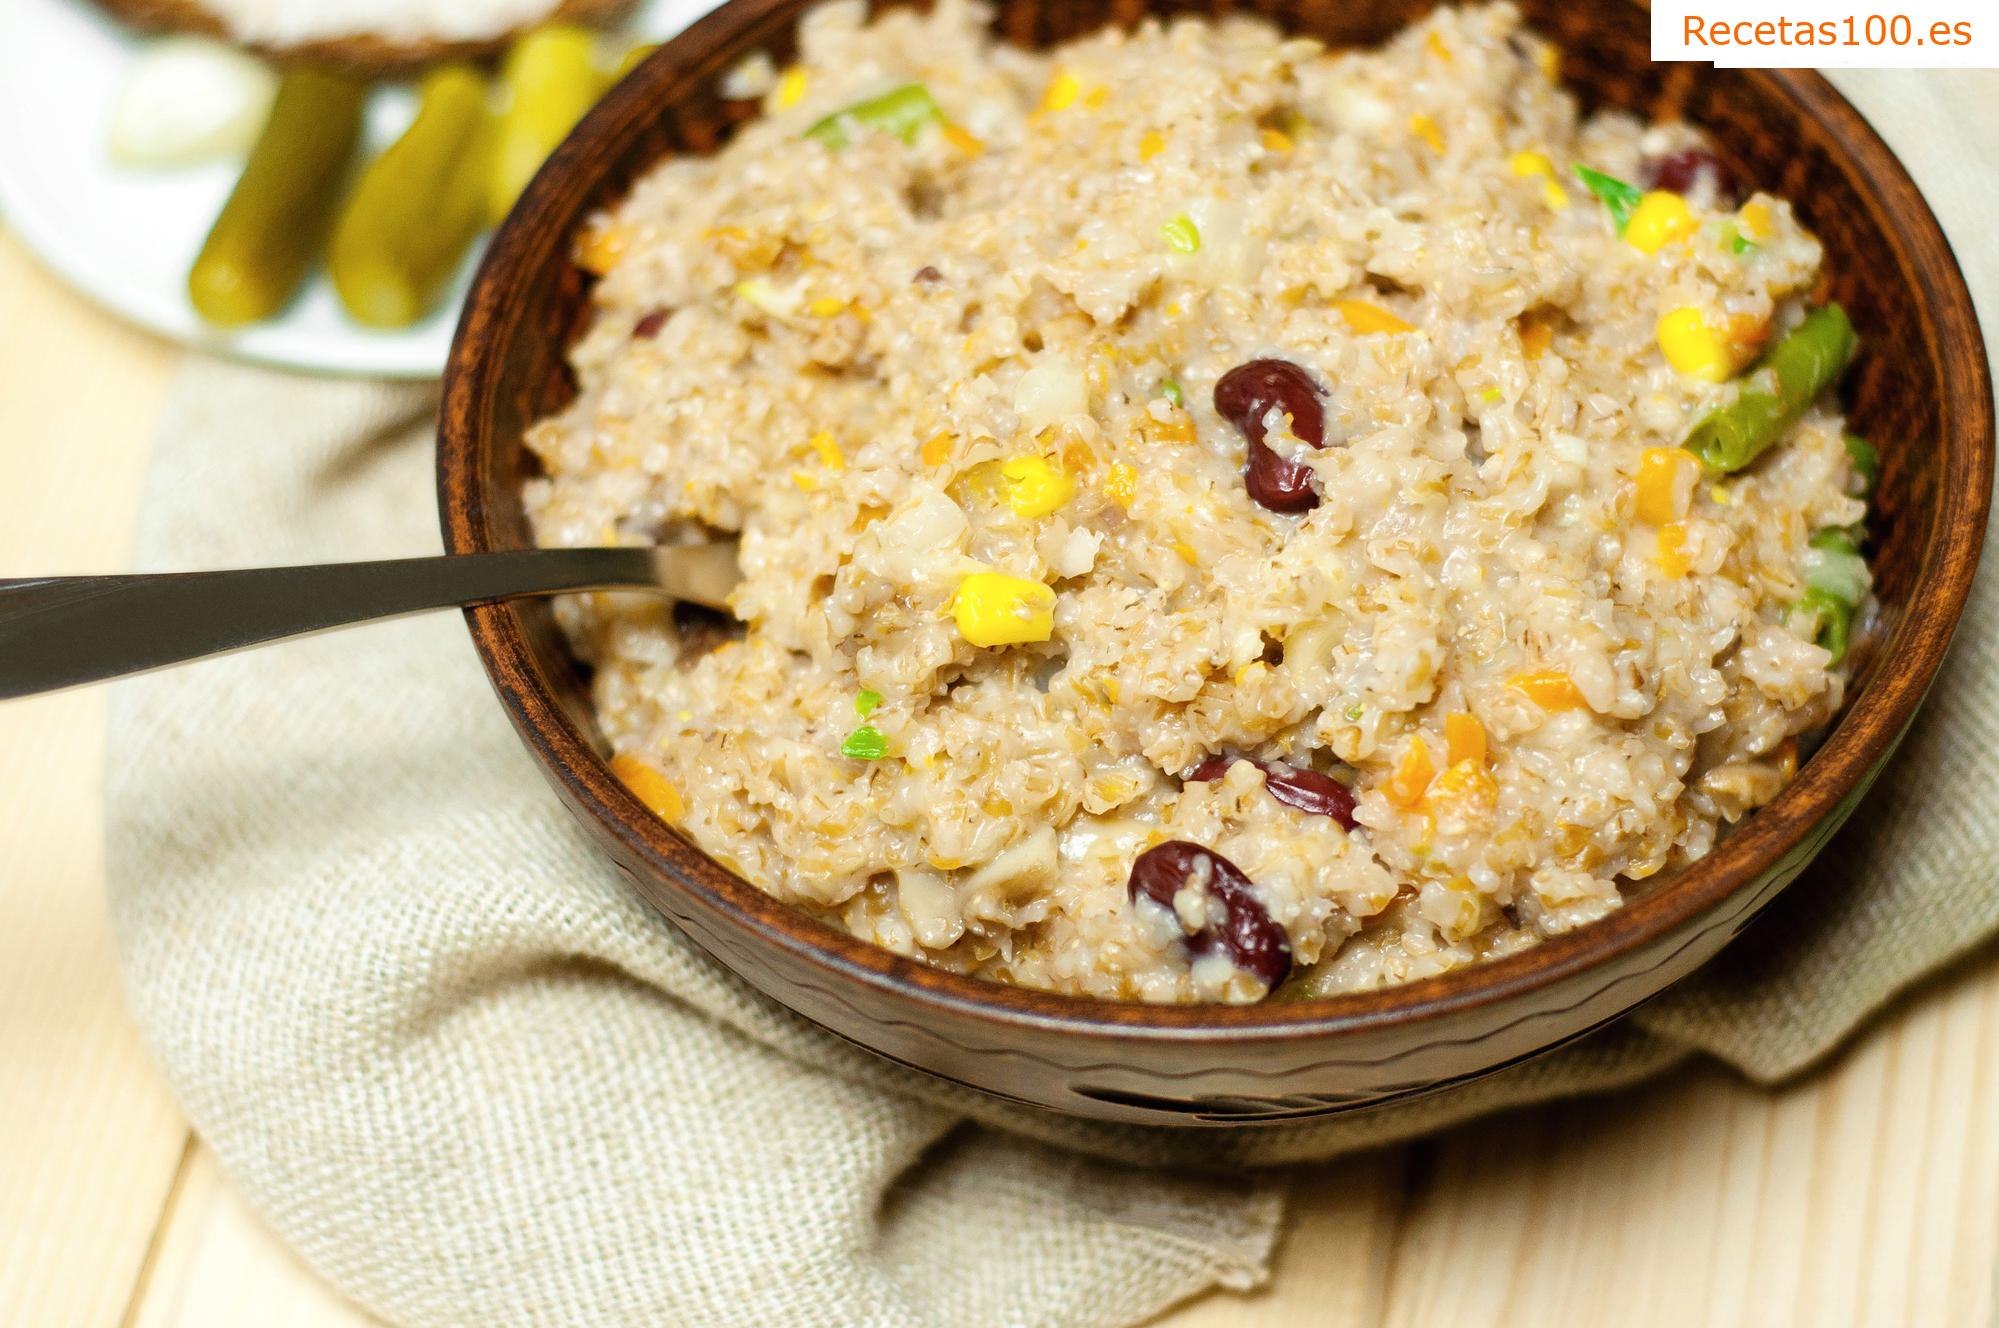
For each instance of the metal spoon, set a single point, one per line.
(59, 632)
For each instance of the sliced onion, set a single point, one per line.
(189, 100)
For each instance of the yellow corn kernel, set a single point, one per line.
(1536, 166)
(650, 787)
(1551, 689)
(1464, 738)
(1412, 775)
(994, 609)
(806, 481)
(1673, 559)
(1426, 129)
(1186, 552)
(1368, 319)
(791, 88)
(1549, 59)
(1755, 220)
(963, 139)
(1034, 487)
(1062, 92)
(938, 450)
(1436, 46)
(826, 306)
(1121, 484)
(1661, 218)
(602, 249)
(1096, 97)
(1276, 140)
(829, 451)
(1666, 477)
(1151, 144)
(1693, 348)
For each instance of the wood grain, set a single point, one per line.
(89, 1139)
(1866, 1195)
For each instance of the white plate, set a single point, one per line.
(126, 237)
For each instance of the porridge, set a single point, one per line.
(1307, 522)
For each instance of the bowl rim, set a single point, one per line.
(1865, 732)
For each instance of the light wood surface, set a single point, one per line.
(1867, 1195)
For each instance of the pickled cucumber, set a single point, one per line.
(418, 207)
(271, 229)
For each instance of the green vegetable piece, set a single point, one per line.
(1182, 234)
(865, 703)
(1866, 462)
(865, 743)
(1613, 193)
(1741, 244)
(1171, 391)
(551, 78)
(1830, 621)
(1789, 378)
(900, 111)
(418, 207)
(1832, 565)
(276, 219)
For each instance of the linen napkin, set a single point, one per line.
(458, 1065)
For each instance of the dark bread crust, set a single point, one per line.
(363, 53)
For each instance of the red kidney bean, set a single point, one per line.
(1244, 397)
(648, 327)
(1682, 170)
(1244, 931)
(1307, 790)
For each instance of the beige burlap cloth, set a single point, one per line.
(474, 1081)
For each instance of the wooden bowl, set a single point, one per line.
(1921, 390)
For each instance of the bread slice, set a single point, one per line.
(362, 53)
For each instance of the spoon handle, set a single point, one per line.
(59, 632)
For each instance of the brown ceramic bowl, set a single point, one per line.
(1920, 390)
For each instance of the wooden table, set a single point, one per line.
(1867, 1195)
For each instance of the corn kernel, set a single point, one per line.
(963, 139)
(1673, 559)
(1666, 477)
(1435, 44)
(1426, 129)
(1368, 319)
(1661, 218)
(1096, 97)
(994, 609)
(1276, 140)
(1151, 144)
(650, 787)
(1464, 738)
(1549, 59)
(1062, 92)
(1035, 488)
(1693, 348)
(829, 451)
(1551, 689)
(938, 450)
(806, 481)
(1755, 220)
(602, 249)
(826, 306)
(1186, 552)
(1412, 775)
(791, 88)
(1121, 484)
(1536, 166)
